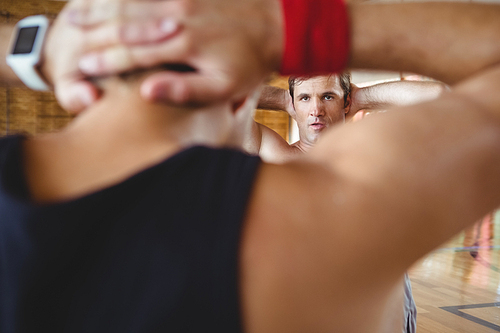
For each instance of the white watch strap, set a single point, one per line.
(25, 62)
(30, 77)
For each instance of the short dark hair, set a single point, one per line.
(344, 78)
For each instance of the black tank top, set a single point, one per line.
(155, 253)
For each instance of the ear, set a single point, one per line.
(347, 107)
(290, 108)
(347, 104)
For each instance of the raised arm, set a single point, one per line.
(445, 41)
(398, 93)
(383, 36)
(274, 98)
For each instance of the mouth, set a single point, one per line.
(317, 126)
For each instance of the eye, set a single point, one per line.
(328, 98)
(305, 98)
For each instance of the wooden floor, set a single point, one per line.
(457, 288)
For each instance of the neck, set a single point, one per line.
(116, 138)
(303, 145)
(123, 118)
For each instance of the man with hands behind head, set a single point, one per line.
(318, 102)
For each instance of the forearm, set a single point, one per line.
(7, 76)
(398, 93)
(445, 41)
(273, 98)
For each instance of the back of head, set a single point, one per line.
(229, 119)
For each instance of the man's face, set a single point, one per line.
(319, 103)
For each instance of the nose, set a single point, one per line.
(316, 108)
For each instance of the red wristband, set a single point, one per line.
(317, 37)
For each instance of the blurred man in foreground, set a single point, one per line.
(161, 235)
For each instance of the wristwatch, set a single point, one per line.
(25, 53)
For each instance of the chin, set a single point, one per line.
(314, 138)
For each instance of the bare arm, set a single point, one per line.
(258, 139)
(384, 36)
(274, 149)
(385, 95)
(445, 41)
(274, 98)
(441, 40)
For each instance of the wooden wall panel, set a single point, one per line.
(275, 120)
(17, 9)
(30, 112)
(34, 112)
(22, 110)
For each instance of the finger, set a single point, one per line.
(186, 89)
(121, 58)
(75, 97)
(86, 16)
(131, 33)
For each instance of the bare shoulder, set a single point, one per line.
(299, 248)
(275, 149)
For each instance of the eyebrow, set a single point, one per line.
(322, 94)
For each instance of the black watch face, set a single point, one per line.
(25, 40)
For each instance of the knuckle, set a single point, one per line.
(129, 33)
